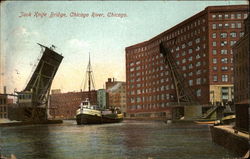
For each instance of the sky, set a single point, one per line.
(104, 38)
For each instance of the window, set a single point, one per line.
(223, 51)
(224, 68)
(190, 82)
(197, 40)
(198, 56)
(215, 78)
(224, 78)
(198, 81)
(215, 68)
(190, 66)
(184, 68)
(183, 46)
(197, 48)
(214, 52)
(245, 16)
(223, 35)
(214, 43)
(224, 60)
(190, 58)
(214, 60)
(233, 25)
(190, 43)
(220, 16)
(190, 74)
(214, 16)
(232, 16)
(190, 51)
(226, 16)
(219, 25)
(233, 34)
(198, 64)
(198, 92)
(198, 72)
(214, 26)
(238, 25)
(226, 25)
(177, 55)
(232, 42)
(223, 43)
(238, 16)
(214, 35)
(183, 53)
(241, 34)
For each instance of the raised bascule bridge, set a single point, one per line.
(187, 104)
(32, 102)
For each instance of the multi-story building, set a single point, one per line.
(241, 52)
(64, 105)
(102, 98)
(3, 106)
(202, 48)
(116, 94)
(5, 103)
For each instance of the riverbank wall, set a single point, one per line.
(30, 123)
(226, 136)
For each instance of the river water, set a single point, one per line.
(129, 139)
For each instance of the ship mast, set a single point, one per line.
(90, 78)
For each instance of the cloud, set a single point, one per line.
(21, 31)
(78, 44)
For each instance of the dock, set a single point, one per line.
(20, 123)
(231, 139)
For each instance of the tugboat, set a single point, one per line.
(88, 114)
(93, 114)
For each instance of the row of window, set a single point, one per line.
(222, 51)
(229, 16)
(158, 97)
(223, 60)
(223, 43)
(224, 78)
(223, 68)
(225, 35)
(226, 25)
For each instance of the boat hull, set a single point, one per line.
(88, 119)
(108, 119)
(94, 119)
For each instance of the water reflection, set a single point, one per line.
(130, 139)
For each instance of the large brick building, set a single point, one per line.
(242, 80)
(64, 105)
(202, 49)
(116, 94)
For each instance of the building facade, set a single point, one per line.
(64, 105)
(202, 49)
(102, 98)
(3, 106)
(116, 94)
(242, 80)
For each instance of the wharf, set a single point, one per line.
(20, 123)
(235, 141)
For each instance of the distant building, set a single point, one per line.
(202, 48)
(64, 105)
(55, 91)
(3, 106)
(116, 94)
(102, 98)
(242, 80)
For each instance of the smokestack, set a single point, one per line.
(109, 79)
(4, 89)
(113, 79)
